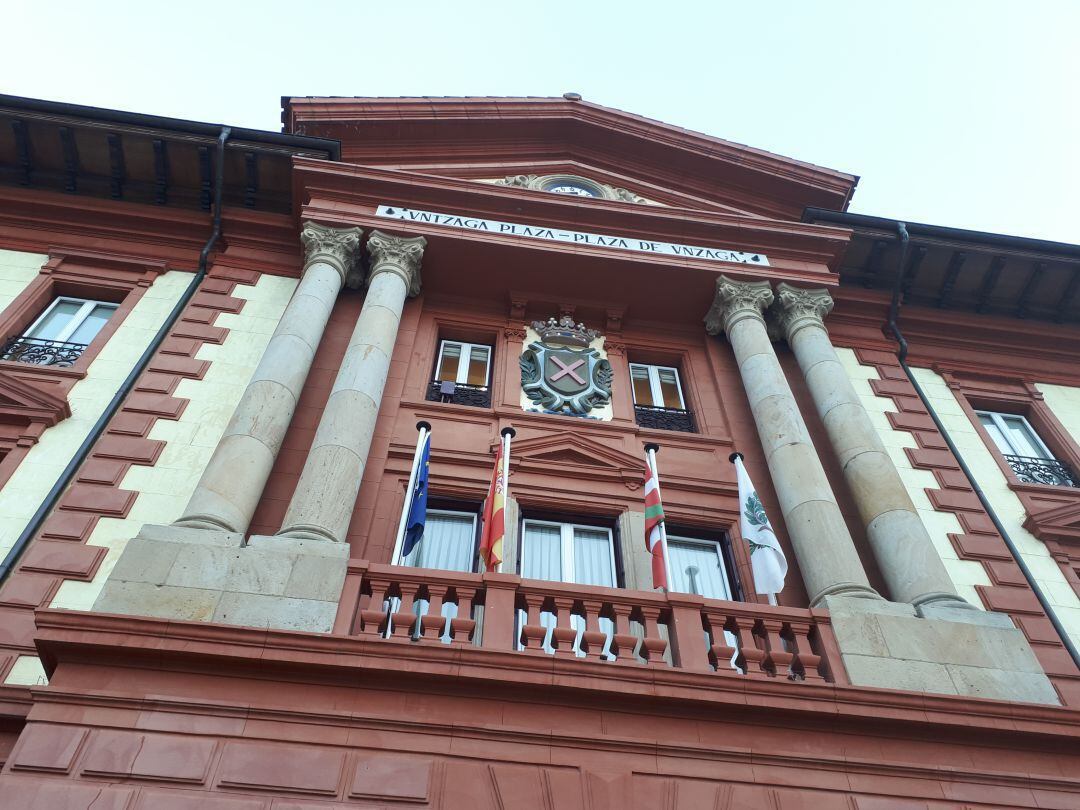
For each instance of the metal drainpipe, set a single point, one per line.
(901, 355)
(81, 454)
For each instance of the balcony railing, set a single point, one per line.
(401, 604)
(665, 418)
(1042, 471)
(42, 352)
(477, 396)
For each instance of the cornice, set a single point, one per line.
(194, 646)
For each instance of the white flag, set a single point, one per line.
(766, 556)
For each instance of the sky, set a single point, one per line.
(963, 113)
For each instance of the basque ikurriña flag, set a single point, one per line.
(654, 519)
(491, 538)
(766, 557)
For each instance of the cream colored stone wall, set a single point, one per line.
(965, 574)
(17, 270)
(165, 488)
(1008, 506)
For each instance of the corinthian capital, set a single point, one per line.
(396, 254)
(796, 308)
(736, 300)
(337, 247)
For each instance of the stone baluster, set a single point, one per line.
(233, 481)
(905, 553)
(827, 556)
(325, 496)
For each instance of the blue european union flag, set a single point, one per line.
(414, 523)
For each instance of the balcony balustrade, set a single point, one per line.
(477, 396)
(1042, 471)
(42, 352)
(405, 605)
(665, 418)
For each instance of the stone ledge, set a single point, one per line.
(281, 583)
(945, 651)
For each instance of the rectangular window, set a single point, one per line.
(1027, 454)
(568, 552)
(449, 542)
(656, 386)
(61, 333)
(464, 363)
(697, 566)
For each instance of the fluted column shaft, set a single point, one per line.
(325, 496)
(903, 548)
(233, 481)
(827, 556)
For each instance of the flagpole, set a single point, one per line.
(650, 451)
(507, 434)
(425, 429)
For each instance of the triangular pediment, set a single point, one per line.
(491, 138)
(575, 455)
(21, 401)
(1057, 523)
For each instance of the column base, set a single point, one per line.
(848, 590)
(937, 648)
(310, 534)
(194, 574)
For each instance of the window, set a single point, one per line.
(568, 552)
(656, 386)
(60, 333)
(697, 566)
(464, 363)
(449, 542)
(1025, 452)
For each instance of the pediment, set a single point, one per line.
(574, 455)
(488, 138)
(1060, 523)
(21, 401)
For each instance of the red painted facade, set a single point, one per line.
(148, 713)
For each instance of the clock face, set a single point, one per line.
(572, 188)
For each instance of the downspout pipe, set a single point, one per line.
(73, 466)
(901, 355)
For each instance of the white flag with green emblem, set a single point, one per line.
(766, 556)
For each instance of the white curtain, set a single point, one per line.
(542, 553)
(592, 558)
(447, 543)
(697, 568)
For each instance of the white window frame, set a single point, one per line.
(88, 306)
(999, 422)
(716, 546)
(418, 551)
(654, 385)
(566, 538)
(464, 361)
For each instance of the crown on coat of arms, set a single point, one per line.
(564, 332)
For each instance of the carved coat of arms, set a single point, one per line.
(560, 373)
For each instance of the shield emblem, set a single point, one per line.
(561, 379)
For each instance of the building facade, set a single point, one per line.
(220, 345)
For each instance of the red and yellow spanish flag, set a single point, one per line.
(654, 519)
(491, 539)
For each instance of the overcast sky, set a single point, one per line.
(955, 112)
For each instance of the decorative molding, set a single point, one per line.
(796, 308)
(735, 301)
(337, 247)
(397, 254)
(543, 182)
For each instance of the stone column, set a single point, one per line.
(827, 557)
(325, 496)
(233, 481)
(904, 551)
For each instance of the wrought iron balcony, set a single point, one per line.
(478, 396)
(391, 604)
(665, 418)
(42, 352)
(1042, 471)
